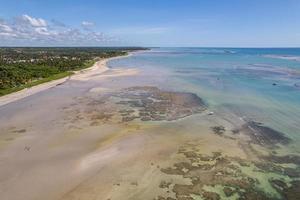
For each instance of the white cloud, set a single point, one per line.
(5, 28)
(42, 31)
(8, 34)
(37, 31)
(37, 22)
(86, 23)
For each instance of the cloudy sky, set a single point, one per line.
(235, 23)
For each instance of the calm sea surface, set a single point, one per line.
(255, 84)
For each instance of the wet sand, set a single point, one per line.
(118, 134)
(98, 68)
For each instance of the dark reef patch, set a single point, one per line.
(153, 104)
(219, 130)
(263, 135)
(293, 192)
(295, 159)
(20, 131)
(143, 103)
(233, 176)
(217, 176)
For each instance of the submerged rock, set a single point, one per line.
(219, 130)
(264, 135)
(228, 191)
(297, 85)
(293, 192)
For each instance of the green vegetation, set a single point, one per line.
(33, 83)
(28, 66)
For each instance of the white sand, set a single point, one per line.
(85, 74)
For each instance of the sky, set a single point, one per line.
(163, 23)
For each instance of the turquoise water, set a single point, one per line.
(255, 84)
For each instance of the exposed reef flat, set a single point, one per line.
(135, 103)
(218, 176)
(143, 133)
(200, 157)
(153, 104)
(261, 175)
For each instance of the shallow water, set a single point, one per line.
(239, 86)
(111, 136)
(256, 84)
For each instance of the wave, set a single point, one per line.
(269, 70)
(192, 51)
(284, 57)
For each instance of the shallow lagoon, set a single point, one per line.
(245, 81)
(146, 135)
(242, 87)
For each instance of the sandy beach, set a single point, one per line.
(150, 100)
(128, 133)
(86, 159)
(99, 67)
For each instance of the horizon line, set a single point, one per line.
(136, 46)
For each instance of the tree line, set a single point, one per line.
(23, 65)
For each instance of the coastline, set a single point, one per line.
(99, 67)
(78, 145)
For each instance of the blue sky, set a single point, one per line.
(223, 23)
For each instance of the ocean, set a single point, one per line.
(258, 84)
(167, 123)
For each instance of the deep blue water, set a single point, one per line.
(258, 84)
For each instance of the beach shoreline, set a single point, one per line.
(119, 131)
(98, 67)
